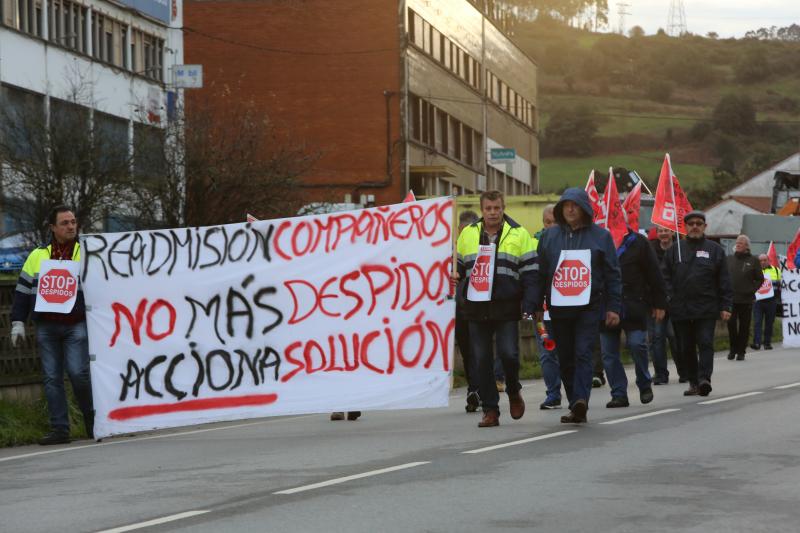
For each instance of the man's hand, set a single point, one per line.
(612, 319)
(725, 315)
(17, 332)
(658, 314)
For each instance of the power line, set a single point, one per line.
(288, 51)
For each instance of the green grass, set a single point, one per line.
(556, 173)
(24, 423)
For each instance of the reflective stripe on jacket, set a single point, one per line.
(28, 282)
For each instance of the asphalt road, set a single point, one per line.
(729, 462)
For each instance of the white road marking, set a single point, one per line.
(155, 522)
(523, 441)
(789, 386)
(637, 417)
(728, 398)
(140, 439)
(345, 479)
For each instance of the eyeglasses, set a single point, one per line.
(696, 223)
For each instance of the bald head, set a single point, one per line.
(764, 260)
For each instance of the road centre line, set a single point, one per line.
(728, 398)
(155, 522)
(789, 386)
(637, 417)
(523, 441)
(152, 437)
(345, 479)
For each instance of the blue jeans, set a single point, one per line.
(659, 333)
(548, 360)
(697, 348)
(505, 334)
(764, 311)
(636, 341)
(64, 346)
(575, 340)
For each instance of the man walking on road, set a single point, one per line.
(462, 332)
(746, 278)
(699, 291)
(643, 297)
(661, 332)
(496, 262)
(579, 280)
(61, 339)
(765, 310)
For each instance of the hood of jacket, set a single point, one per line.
(577, 195)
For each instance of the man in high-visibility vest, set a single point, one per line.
(764, 311)
(61, 339)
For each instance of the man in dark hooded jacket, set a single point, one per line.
(579, 278)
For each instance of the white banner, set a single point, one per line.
(790, 296)
(336, 312)
(57, 289)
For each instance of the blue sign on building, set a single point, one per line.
(159, 9)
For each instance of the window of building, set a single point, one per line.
(467, 149)
(436, 44)
(443, 123)
(416, 133)
(455, 129)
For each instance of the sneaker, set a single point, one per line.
(550, 404)
(691, 391)
(55, 437)
(646, 395)
(597, 382)
(731, 356)
(767, 346)
(473, 402)
(618, 401)
(577, 414)
(740, 357)
(353, 415)
(704, 387)
(660, 380)
(338, 415)
(490, 419)
(501, 386)
(758, 346)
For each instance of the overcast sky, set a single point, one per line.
(729, 18)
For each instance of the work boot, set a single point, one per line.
(338, 415)
(704, 387)
(473, 402)
(618, 401)
(691, 391)
(577, 413)
(55, 437)
(646, 395)
(516, 405)
(490, 419)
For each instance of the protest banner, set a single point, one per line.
(336, 312)
(790, 298)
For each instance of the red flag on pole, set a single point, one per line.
(772, 254)
(631, 206)
(671, 203)
(409, 197)
(599, 217)
(793, 251)
(615, 219)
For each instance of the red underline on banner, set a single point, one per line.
(139, 411)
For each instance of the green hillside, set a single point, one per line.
(648, 95)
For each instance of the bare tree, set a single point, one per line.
(61, 151)
(218, 158)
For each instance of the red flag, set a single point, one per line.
(631, 206)
(671, 204)
(793, 251)
(615, 222)
(410, 197)
(599, 217)
(772, 254)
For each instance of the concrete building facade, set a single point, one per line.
(392, 95)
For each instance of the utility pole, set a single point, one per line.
(676, 22)
(622, 11)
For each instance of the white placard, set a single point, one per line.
(481, 278)
(790, 298)
(572, 279)
(336, 312)
(766, 291)
(57, 288)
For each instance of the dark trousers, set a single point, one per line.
(696, 340)
(506, 341)
(764, 312)
(576, 338)
(465, 347)
(739, 327)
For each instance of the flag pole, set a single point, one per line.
(672, 192)
(646, 187)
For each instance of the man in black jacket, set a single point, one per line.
(643, 297)
(662, 332)
(746, 278)
(699, 291)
